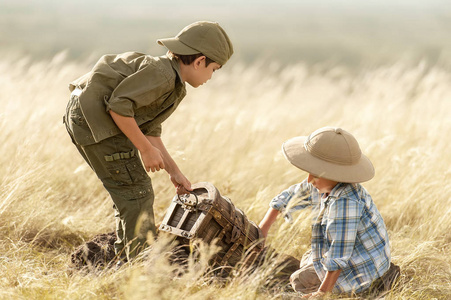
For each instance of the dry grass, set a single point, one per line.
(228, 132)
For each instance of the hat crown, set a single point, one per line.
(208, 38)
(333, 145)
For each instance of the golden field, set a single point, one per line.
(228, 132)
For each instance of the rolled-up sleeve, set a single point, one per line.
(280, 202)
(122, 106)
(341, 231)
(139, 89)
(302, 194)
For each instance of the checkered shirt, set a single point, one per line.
(348, 233)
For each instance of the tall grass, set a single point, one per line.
(229, 133)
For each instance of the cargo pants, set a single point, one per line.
(116, 162)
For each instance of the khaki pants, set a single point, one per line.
(305, 279)
(116, 162)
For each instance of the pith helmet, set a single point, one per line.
(330, 153)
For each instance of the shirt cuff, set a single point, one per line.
(276, 205)
(120, 106)
(334, 264)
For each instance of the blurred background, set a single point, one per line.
(351, 33)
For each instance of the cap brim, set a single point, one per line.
(177, 47)
(297, 155)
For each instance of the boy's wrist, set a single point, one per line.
(145, 147)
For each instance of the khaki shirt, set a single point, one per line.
(132, 85)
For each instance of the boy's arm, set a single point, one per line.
(277, 204)
(150, 155)
(329, 281)
(268, 220)
(178, 179)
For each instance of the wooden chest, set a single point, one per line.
(205, 214)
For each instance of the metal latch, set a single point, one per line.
(189, 201)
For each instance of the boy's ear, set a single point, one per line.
(198, 61)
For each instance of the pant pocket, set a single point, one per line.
(127, 171)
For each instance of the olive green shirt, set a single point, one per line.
(132, 85)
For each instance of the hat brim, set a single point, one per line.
(295, 152)
(177, 47)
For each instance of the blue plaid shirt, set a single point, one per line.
(348, 233)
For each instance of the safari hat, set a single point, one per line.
(203, 37)
(330, 153)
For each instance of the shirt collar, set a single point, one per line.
(336, 191)
(176, 66)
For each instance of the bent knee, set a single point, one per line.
(305, 281)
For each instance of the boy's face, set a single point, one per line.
(323, 185)
(200, 73)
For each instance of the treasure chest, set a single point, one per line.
(205, 214)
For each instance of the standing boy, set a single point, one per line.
(116, 110)
(350, 247)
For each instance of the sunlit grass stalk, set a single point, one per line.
(228, 133)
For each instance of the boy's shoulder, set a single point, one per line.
(121, 59)
(132, 58)
(353, 191)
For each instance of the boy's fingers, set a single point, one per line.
(181, 190)
(155, 168)
(187, 186)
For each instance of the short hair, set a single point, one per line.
(188, 59)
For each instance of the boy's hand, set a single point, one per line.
(151, 156)
(181, 183)
(152, 159)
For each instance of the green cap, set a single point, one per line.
(203, 37)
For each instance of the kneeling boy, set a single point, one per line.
(350, 247)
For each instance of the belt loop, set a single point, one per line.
(121, 155)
